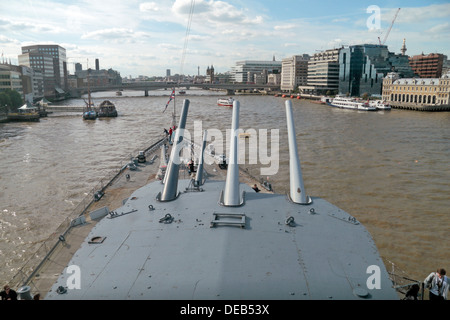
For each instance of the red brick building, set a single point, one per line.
(427, 66)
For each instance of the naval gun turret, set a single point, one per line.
(227, 243)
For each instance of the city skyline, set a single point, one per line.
(146, 38)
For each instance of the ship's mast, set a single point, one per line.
(89, 86)
(174, 117)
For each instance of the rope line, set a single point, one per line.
(188, 30)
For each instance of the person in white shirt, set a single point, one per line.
(438, 284)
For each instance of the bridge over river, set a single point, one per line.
(147, 86)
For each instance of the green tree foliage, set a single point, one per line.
(10, 99)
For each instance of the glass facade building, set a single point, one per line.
(363, 67)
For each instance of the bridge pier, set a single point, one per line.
(146, 93)
(230, 92)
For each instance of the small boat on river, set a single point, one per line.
(225, 102)
(380, 105)
(107, 109)
(89, 112)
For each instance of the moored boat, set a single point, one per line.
(350, 103)
(24, 113)
(325, 100)
(90, 115)
(89, 112)
(107, 109)
(225, 102)
(42, 105)
(380, 105)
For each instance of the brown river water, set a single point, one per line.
(389, 169)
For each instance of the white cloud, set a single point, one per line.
(149, 6)
(418, 14)
(116, 35)
(15, 26)
(441, 28)
(341, 20)
(214, 12)
(112, 33)
(285, 27)
(5, 40)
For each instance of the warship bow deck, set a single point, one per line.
(197, 255)
(222, 240)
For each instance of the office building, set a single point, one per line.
(446, 65)
(427, 66)
(274, 79)
(323, 73)
(363, 67)
(98, 78)
(10, 78)
(78, 67)
(294, 72)
(25, 80)
(52, 62)
(242, 70)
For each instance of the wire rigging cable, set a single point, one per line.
(188, 30)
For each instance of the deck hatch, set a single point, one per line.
(96, 240)
(228, 219)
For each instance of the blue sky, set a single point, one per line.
(147, 37)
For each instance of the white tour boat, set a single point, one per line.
(225, 102)
(380, 104)
(351, 103)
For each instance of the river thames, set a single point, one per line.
(389, 169)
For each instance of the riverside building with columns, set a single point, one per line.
(431, 94)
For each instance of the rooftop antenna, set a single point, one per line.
(169, 192)
(297, 189)
(231, 192)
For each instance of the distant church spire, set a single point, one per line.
(403, 49)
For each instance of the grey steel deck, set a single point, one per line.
(323, 255)
(198, 246)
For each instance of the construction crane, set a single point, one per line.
(389, 30)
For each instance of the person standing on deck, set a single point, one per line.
(438, 283)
